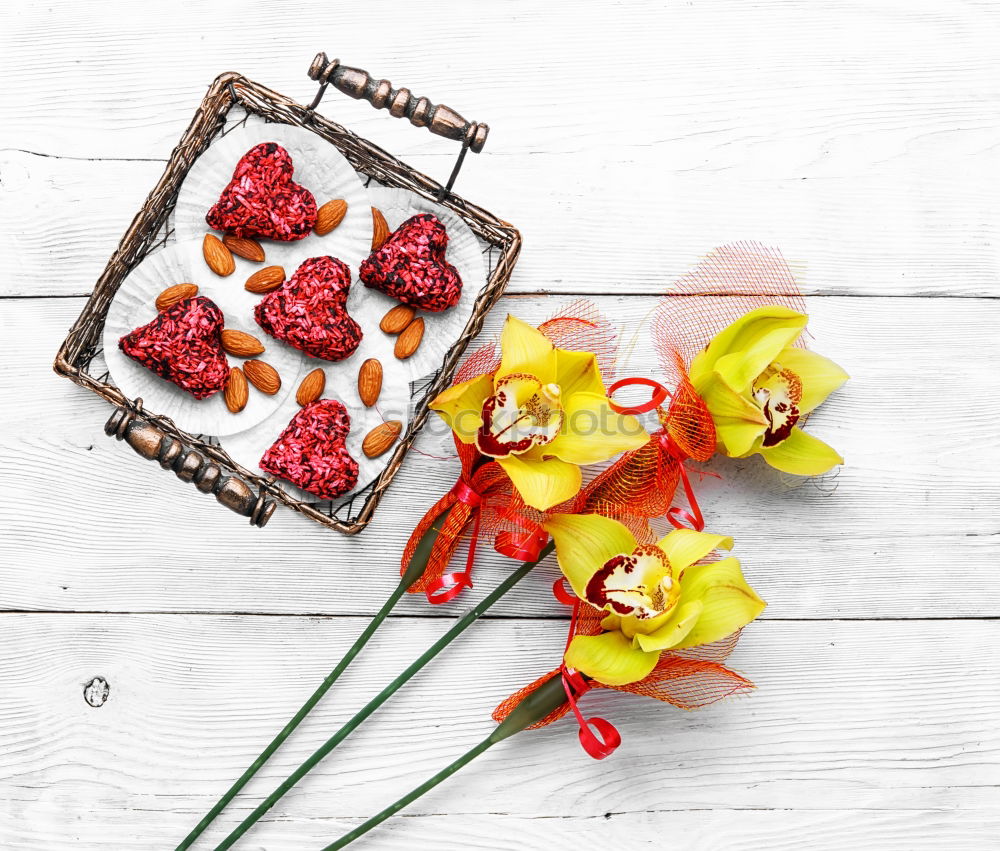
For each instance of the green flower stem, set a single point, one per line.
(548, 697)
(416, 568)
(460, 626)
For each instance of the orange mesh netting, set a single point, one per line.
(642, 483)
(686, 679)
(501, 514)
(728, 282)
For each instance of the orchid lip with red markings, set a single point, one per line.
(411, 266)
(309, 311)
(639, 584)
(311, 452)
(512, 426)
(183, 344)
(262, 200)
(778, 391)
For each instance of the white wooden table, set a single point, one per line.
(862, 139)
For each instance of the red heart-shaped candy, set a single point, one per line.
(310, 452)
(309, 310)
(411, 266)
(262, 200)
(183, 344)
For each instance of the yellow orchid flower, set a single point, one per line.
(757, 386)
(657, 595)
(542, 413)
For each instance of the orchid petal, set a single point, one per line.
(542, 484)
(738, 420)
(526, 349)
(820, 376)
(674, 631)
(461, 406)
(593, 432)
(743, 350)
(801, 454)
(684, 547)
(578, 372)
(729, 602)
(610, 658)
(584, 542)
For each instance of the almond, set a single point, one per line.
(380, 229)
(263, 376)
(380, 438)
(248, 249)
(408, 342)
(311, 387)
(217, 256)
(370, 381)
(236, 394)
(267, 279)
(397, 319)
(241, 344)
(329, 216)
(171, 295)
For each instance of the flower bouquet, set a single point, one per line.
(650, 613)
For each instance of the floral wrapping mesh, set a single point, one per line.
(729, 282)
(686, 679)
(502, 513)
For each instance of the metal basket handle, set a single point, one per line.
(360, 85)
(188, 464)
(439, 119)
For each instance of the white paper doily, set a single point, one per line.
(441, 330)
(319, 167)
(133, 306)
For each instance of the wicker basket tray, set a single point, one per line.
(197, 458)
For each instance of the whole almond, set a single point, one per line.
(370, 381)
(408, 342)
(311, 387)
(171, 295)
(241, 344)
(217, 256)
(380, 438)
(380, 229)
(236, 394)
(397, 319)
(267, 279)
(329, 216)
(263, 376)
(248, 249)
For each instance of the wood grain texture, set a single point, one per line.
(881, 719)
(864, 157)
(130, 537)
(627, 140)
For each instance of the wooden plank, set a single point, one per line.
(626, 225)
(883, 719)
(804, 90)
(906, 529)
(856, 157)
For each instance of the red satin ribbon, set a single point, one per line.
(449, 585)
(681, 518)
(660, 394)
(562, 593)
(575, 686)
(521, 546)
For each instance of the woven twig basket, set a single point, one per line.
(197, 458)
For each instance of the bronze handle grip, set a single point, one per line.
(189, 465)
(359, 84)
